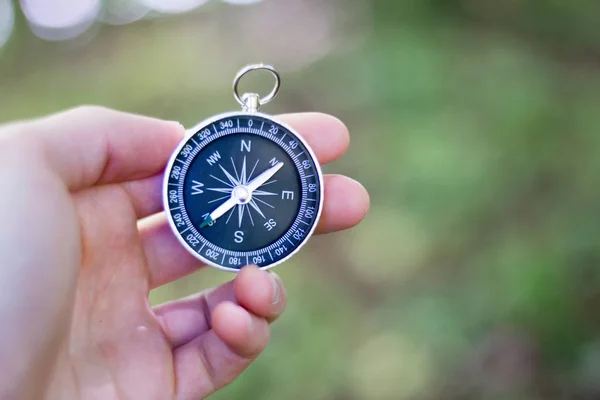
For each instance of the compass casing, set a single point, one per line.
(215, 163)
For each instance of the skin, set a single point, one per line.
(83, 241)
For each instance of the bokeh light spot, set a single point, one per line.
(122, 12)
(60, 19)
(60, 13)
(173, 6)
(242, 2)
(7, 20)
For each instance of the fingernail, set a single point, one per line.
(275, 280)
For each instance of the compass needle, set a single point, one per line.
(243, 162)
(222, 209)
(264, 177)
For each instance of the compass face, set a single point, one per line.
(243, 189)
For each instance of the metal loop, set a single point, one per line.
(261, 101)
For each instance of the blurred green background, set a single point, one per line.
(475, 126)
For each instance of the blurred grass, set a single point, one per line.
(475, 128)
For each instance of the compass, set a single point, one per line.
(243, 188)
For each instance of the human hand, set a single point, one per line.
(78, 258)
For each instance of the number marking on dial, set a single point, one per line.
(242, 193)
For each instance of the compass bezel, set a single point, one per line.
(205, 124)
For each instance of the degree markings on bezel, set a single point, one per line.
(291, 232)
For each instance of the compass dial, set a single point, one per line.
(243, 189)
